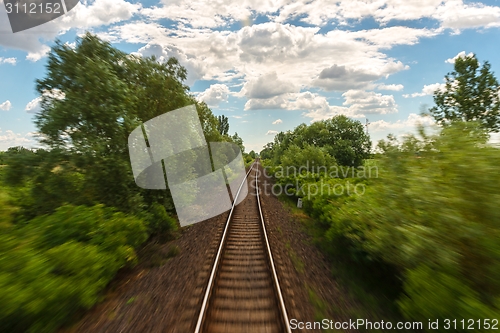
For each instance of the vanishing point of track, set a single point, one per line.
(243, 292)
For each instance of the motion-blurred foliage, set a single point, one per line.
(59, 263)
(433, 215)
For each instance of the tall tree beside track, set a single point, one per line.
(471, 94)
(93, 96)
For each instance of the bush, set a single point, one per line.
(434, 216)
(159, 222)
(59, 263)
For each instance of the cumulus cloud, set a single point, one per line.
(86, 14)
(356, 104)
(10, 139)
(35, 105)
(195, 69)
(457, 15)
(271, 132)
(364, 102)
(393, 87)
(5, 106)
(277, 121)
(408, 124)
(215, 94)
(454, 14)
(267, 86)
(11, 61)
(387, 37)
(277, 102)
(428, 89)
(340, 78)
(459, 55)
(296, 54)
(450, 14)
(196, 16)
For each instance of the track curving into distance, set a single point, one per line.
(243, 292)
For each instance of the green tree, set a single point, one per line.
(239, 141)
(223, 125)
(471, 94)
(93, 96)
(342, 138)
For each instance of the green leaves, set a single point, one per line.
(340, 137)
(471, 94)
(59, 263)
(433, 216)
(223, 125)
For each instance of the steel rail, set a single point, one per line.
(275, 276)
(204, 305)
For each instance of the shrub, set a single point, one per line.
(59, 263)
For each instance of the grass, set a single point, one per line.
(153, 255)
(131, 300)
(320, 307)
(297, 263)
(6, 209)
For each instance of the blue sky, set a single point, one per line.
(270, 65)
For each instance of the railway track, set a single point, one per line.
(243, 292)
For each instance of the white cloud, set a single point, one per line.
(11, 61)
(267, 86)
(196, 16)
(495, 139)
(195, 69)
(408, 124)
(454, 14)
(340, 78)
(199, 14)
(39, 54)
(85, 15)
(364, 102)
(215, 94)
(11, 139)
(428, 89)
(357, 103)
(277, 102)
(271, 132)
(458, 15)
(459, 55)
(297, 55)
(277, 121)
(397, 35)
(392, 87)
(34, 106)
(5, 106)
